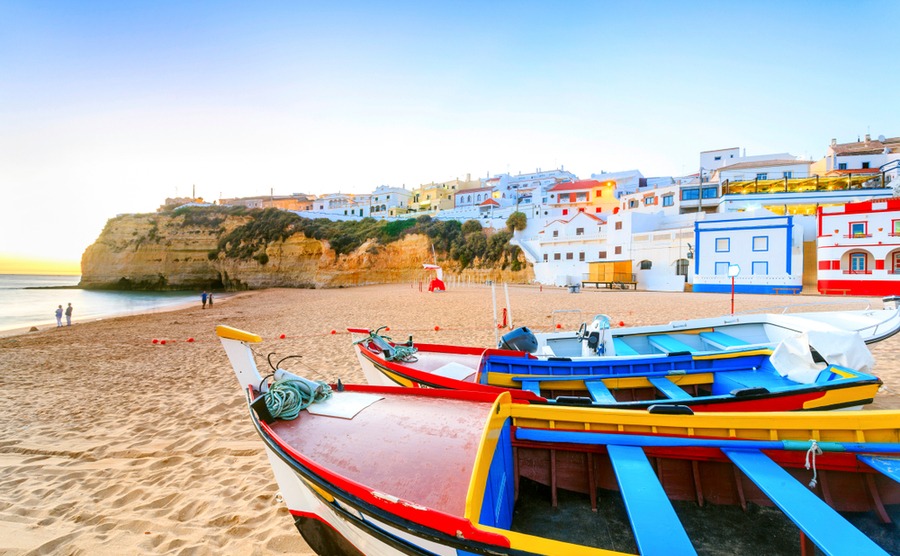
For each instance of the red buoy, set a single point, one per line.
(621, 323)
(163, 342)
(155, 341)
(558, 325)
(190, 340)
(334, 331)
(282, 336)
(436, 328)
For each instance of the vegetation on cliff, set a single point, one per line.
(466, 243)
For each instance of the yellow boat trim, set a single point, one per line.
(230, 333)
(401, 381)
(733, 354)
(483, 457)
(833, 426)
(844, 396)
(324, 494)
(541, 545)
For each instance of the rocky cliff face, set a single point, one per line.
(172, 252)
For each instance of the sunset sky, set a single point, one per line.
(110, 107)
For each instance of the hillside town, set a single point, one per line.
(772, 223)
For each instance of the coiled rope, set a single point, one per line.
(396, 352)
(287, 398)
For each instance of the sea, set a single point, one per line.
(28, 300)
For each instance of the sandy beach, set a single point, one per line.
(113, 444)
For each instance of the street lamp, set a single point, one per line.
(733, 270)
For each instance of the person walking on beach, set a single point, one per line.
(209, 298)
(203, 297)
(59, 313)
(69, 315)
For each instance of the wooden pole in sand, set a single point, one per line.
(508, 306)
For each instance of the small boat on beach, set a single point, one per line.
(723, 333)
(377, 470)
(750, 379)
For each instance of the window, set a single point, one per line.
(718, 158)
(722, 269)
(760, 243)
(579, 231)
(788, 175)
(569, 256)
(646, 265)
(896, 267)
(633, 203)
(668, 200)
(709, 192)
(842, 165)
(555, 233)
(546, 257)
(723, 245)
(857, 262)
(865, 164)
(896, 224)
(618, 225)
(857, 229)
(690, 194)
(650, 201)
(762, 176)
(618, 250)
(556, 256)
(581, 256)
(760, 267)
(681, 268)
(565, 212)
(601, 255)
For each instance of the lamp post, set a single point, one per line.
(733, 270)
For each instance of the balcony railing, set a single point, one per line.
(802, 185)
(857, 272)
(854, 236)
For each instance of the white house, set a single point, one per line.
(564, 248)
(768, 250)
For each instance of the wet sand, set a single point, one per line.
(111, 444)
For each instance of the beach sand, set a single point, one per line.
(111, 444)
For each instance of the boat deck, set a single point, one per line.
(436, 454)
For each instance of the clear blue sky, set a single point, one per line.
(109, 107)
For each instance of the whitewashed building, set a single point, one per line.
(768, 249)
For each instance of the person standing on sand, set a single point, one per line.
(210, 300)
(69, 315)
(59, 313)
(203, 298)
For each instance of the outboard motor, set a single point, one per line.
(520, 339)
(593, 342)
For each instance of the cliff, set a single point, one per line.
(173, 251)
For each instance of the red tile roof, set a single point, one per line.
(580, 185)
(489, 202)
(872, 146)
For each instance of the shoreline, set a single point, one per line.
(140, 448)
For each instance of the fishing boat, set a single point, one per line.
(377, 470)
(722, 333)
(750, 379)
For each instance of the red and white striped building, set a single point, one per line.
(858, 248)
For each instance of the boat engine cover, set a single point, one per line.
(520, 339)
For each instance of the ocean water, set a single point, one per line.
(23, 306)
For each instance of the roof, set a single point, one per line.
(488, 202)
(721, 150)
(872, 146)
(467, 191)
(763, 164)
(580, 185)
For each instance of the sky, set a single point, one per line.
(110, 107)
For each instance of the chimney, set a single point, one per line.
(868, 138)
(833, 142)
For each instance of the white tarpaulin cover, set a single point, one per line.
(792, 358)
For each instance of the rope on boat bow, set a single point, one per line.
(397, 352)
(287, 398)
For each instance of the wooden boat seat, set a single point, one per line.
(722, 340)
(599, 392)
(819, 522)
(622, 348)
(889, 467)
(669, 388)
(656, 527)
(668, 344)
